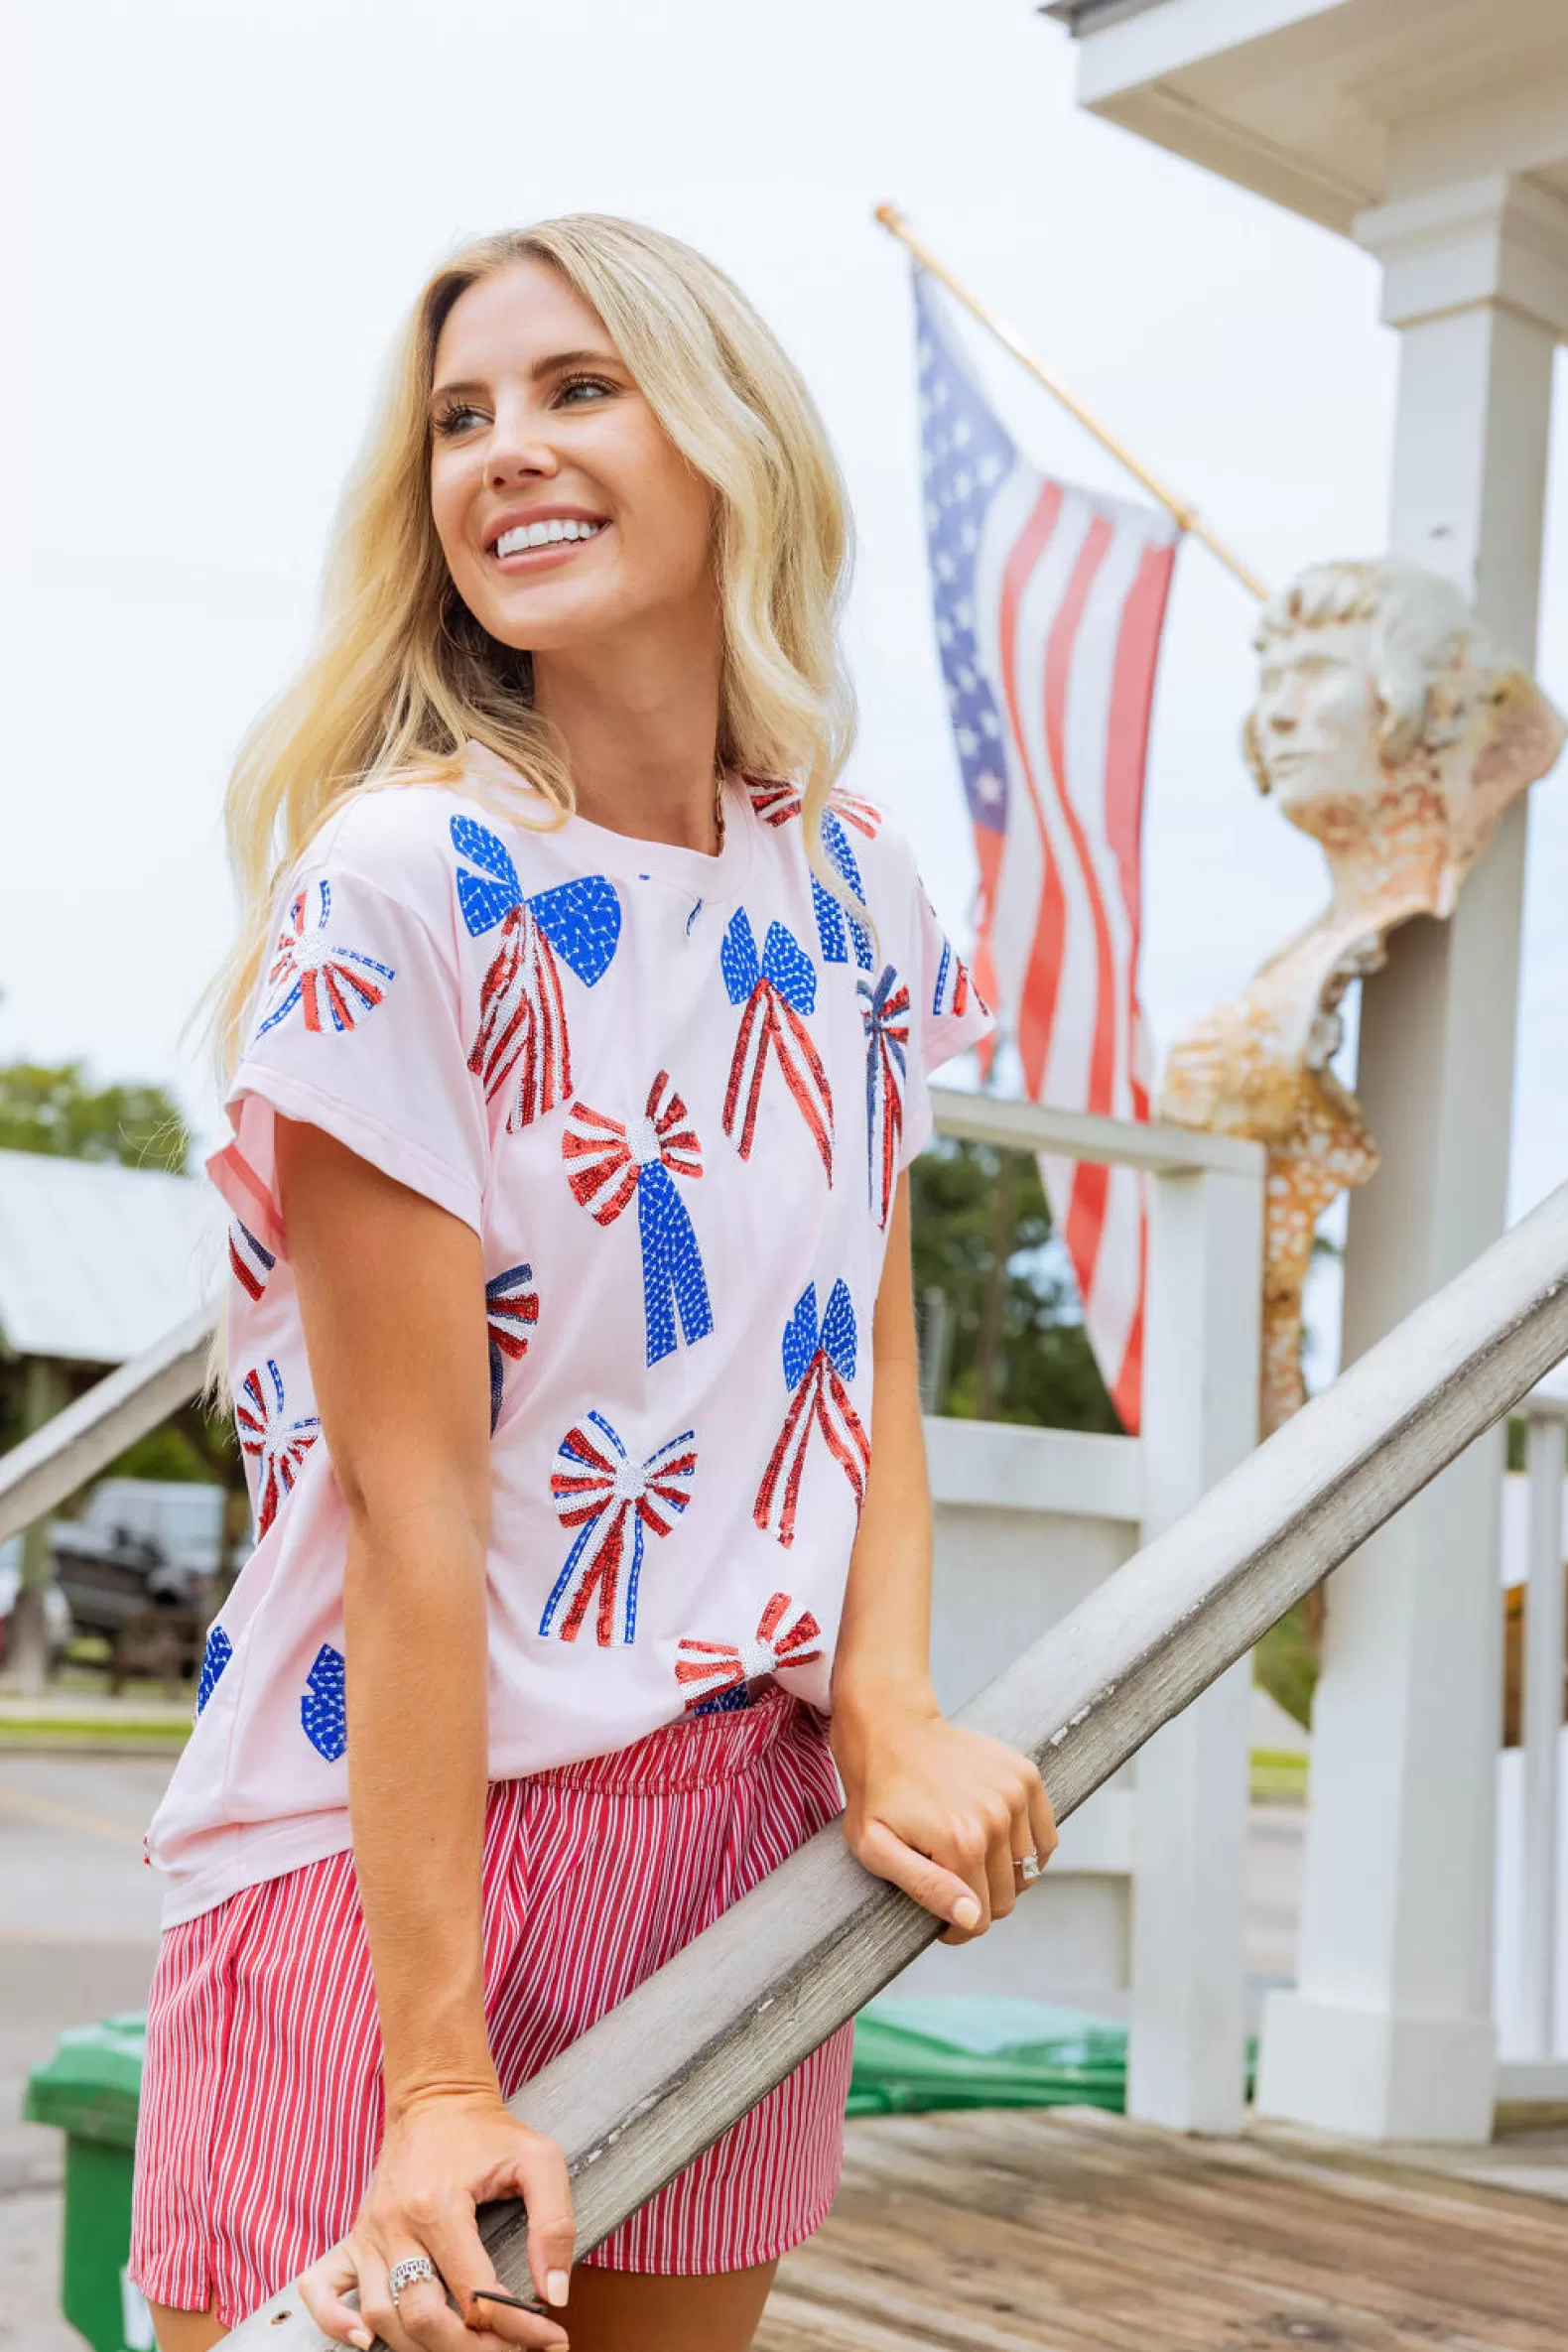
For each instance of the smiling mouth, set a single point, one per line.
(527, 544)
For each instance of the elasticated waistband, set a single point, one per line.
(694, 1752)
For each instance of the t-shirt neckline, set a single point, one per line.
(596, 848)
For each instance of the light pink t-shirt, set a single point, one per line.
(672, 1095)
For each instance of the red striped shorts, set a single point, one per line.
(261, 2095)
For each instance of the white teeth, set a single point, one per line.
(524, 535)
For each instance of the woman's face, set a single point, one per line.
(565, 514)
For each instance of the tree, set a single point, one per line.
(54, 1107)
(1018, 1350)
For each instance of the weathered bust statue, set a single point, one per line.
(1392, 729)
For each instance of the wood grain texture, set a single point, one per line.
(45, 1468)
(656, 2081)
(1083, 2233)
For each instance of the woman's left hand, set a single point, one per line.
(946, 1813)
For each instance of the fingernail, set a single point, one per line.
(558, 2285)
(966, 1914)
(363, 2337)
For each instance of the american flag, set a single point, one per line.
(1049, 603)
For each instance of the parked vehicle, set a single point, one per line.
(140, 1543)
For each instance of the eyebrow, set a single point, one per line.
(553, 364)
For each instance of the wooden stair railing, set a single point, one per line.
(663, 2075)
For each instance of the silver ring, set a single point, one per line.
(1029, 1868)
(406, 2273)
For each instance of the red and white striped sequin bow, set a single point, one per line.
(886, 1013)
(718, 1675)
(776, 989)
(817, 1363)
(607, 1162)
(597, 1489)
(776, 803)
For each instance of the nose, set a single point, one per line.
(517, 454)
(1281, 721)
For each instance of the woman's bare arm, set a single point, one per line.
(944, 1813)
(392, 1300)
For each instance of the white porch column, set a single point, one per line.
(1186, 2043)
(1388, 2034)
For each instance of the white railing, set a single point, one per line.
(1535, 2065)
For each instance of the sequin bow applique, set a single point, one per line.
(249, 1263)
(273, 1442)
(950, 996)
(214, 1657)
(718, 1675)
(817, 1363)
(610, 1500)
(511, 1310)
(776, 990)
(776, 803)
(523, 1032)
(332, 985)
(885, 1012)
(608, 1163)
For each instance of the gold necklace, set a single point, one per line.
(719, 806)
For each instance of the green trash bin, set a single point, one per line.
(89, 2090)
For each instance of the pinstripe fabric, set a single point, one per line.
(261, 2101)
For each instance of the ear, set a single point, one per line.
(1252, 752)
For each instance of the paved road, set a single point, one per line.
(79, 1929)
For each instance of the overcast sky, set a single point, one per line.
(217, 211)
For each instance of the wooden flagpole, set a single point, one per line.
(1186, 517)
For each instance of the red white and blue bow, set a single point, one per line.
(950, 996)
(776, 990)
(275, 1444)
(249, 1263)
(609, 1500)
(511, 1310)
(817, 1360)
(885, 1012)
(776, 803)
(607, 1162)
(333, 986)
(523, 1030)
(718, 1675)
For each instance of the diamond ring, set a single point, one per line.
(403, 2274)
(1029, 1868)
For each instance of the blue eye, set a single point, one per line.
(573, 384)
(455, 419)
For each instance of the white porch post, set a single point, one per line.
(1186, 2053)
(1388, 2034)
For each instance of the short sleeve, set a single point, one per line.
(356, 1030)
(947, 1016)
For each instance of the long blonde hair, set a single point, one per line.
(402, 676)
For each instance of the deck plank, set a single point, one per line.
(1058, 2232)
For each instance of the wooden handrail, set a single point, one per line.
(660, 2077)
(37, 1474)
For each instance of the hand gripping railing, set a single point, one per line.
(659, 2078)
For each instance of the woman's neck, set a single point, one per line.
(640, 726)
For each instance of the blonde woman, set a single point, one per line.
(579, 1037)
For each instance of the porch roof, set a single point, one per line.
(97, 1261)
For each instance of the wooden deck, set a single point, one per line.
(1078, 2232)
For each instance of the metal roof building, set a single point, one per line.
(98, 1261)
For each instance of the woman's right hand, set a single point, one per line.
(444, 2154)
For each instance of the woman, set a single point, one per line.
(581, 1049)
